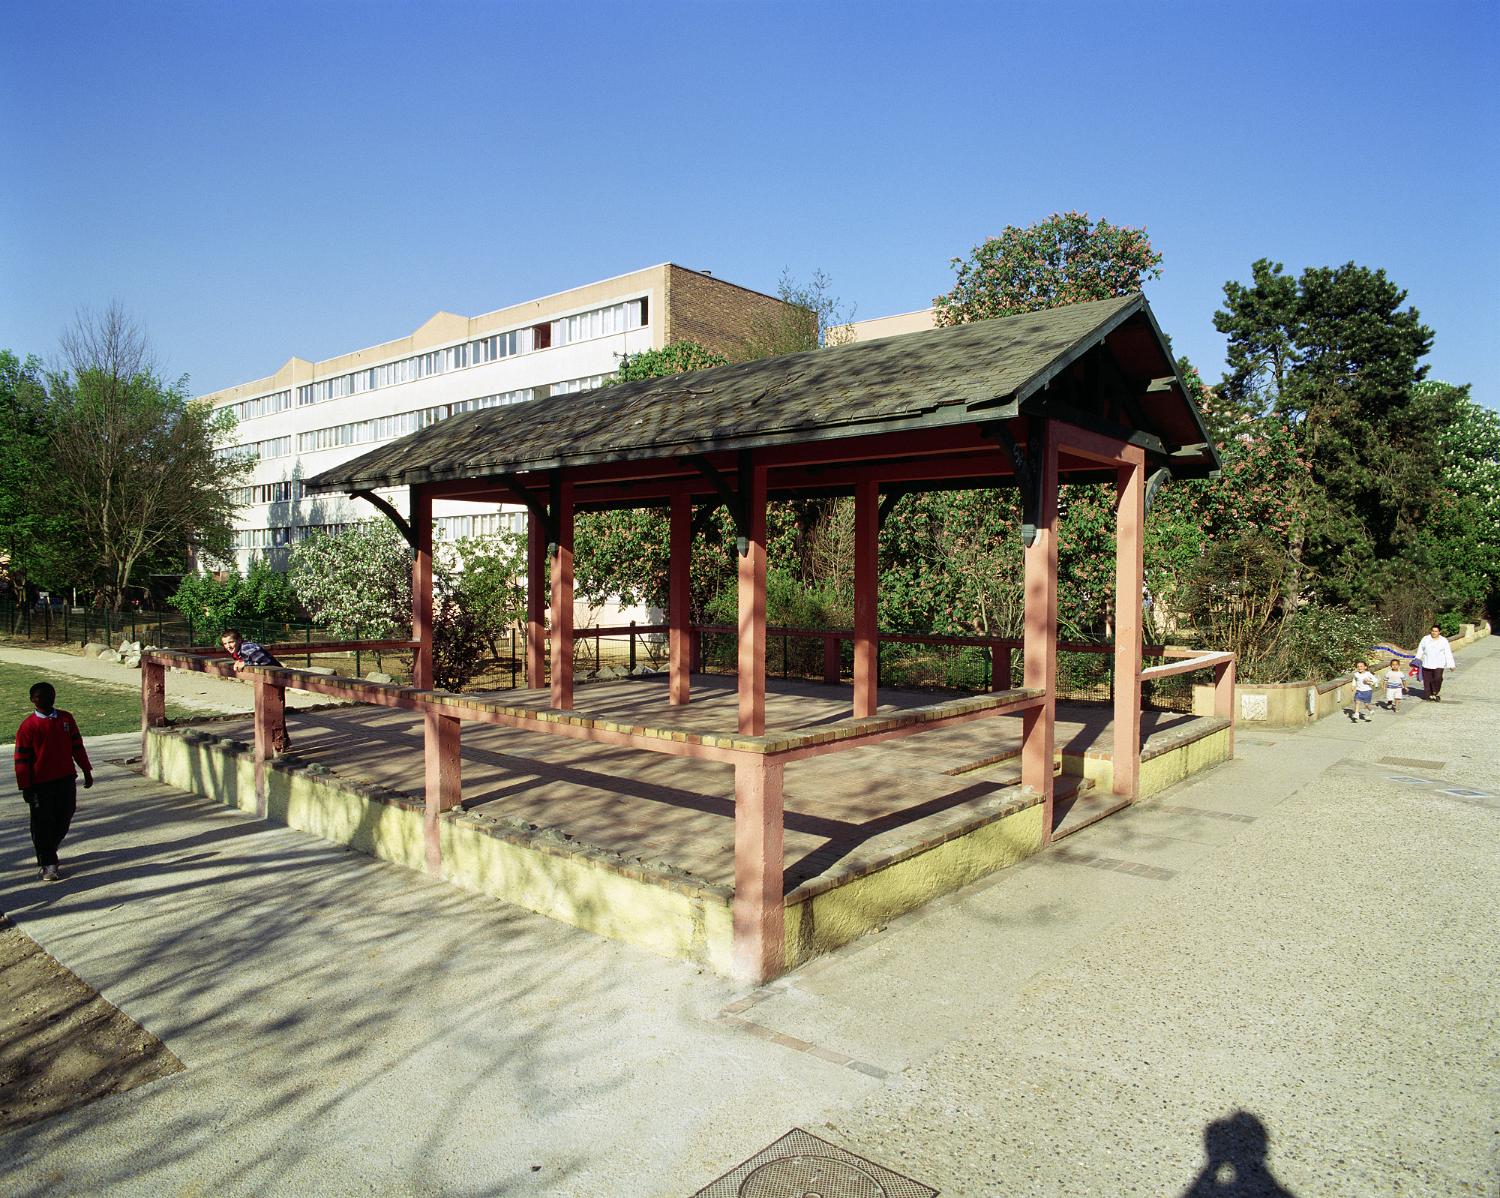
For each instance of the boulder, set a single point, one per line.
(317, 670)
(109, 655)
(377, 676)
(93, 649)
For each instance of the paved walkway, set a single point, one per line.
(1304, 937)
(196, 692)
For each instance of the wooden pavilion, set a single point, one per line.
(1087, 392)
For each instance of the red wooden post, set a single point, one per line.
(759, 857)
(153, 698)
(421, 588)
(442, 740)
(1040, 651)
(270, 720)
(752, 609)
(831, 662)
(1224, 697)
(679, 598)
(1000, 666)
(1130, 572)
(536, 603)
(562, 595)
(866, 596)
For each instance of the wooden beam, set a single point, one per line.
(679, 599)
(562, 593)
(421, 588)
(752, 609)
(390, 512)
(1040, 652)
(1130, 531)
(866, 595)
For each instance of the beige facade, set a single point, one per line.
(884, 326)
(309, 416)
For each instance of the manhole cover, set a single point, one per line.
(1416, 763)
(800, 1165)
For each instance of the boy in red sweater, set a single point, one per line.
(47, 744)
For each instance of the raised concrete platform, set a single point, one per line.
(639, 847)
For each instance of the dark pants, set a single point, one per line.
(1432, 681)
(52, 806)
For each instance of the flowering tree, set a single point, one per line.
(1461, 542)
(1065, 259)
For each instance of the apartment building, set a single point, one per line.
(309, 416)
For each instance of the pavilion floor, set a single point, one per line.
(844, 811)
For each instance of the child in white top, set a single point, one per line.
(1395, 684)
(1364, 692)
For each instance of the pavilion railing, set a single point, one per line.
(968, 664)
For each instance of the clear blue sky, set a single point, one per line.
(262, 180)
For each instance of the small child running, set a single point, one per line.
(1395, 685)
(1364, 692)
(48, 744)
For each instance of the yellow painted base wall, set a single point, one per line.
(672, 919)
(846, 912)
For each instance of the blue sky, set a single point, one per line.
(261, 180)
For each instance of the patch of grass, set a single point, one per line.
(99, 709)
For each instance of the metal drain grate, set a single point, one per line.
(799, 1165)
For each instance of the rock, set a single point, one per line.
(643, 671)
(132, 662)
(108, 655)
(377, 676)
(317, 670)
(93, 649)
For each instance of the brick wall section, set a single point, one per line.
(714, 313)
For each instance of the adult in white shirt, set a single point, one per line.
(1436, 655)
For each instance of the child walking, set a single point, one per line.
(1395, 684)
(47, 744)
(1364, 692)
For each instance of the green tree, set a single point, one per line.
(1340, 366)
(676, 358)
(38, 545)
(137, 467)
(1065, 259)
(811, 317)
(1460, 546)
(264, 595)
(356, 583)
(490, 583)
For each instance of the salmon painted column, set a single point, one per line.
(1224, 697)
(270, 719)
(1040, 648)
(759, 908)
(444, 785)
(562, 594)
(752, 605)
(421, 588)
(153, 698)
(1130, 573)
(866, 597)
(536, 603)
(679, 598)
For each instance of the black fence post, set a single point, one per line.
(632, 646)
(512, 659)
(308, 641)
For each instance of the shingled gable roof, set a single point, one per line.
(988, 370)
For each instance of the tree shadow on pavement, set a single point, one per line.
(338, 1016)
(1236, 1168)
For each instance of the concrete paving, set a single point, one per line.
(196, 692)
(1298, 946)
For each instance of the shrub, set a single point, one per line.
(1319, 642)
(1449, 623)
(1235, 598)
(458, 645)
